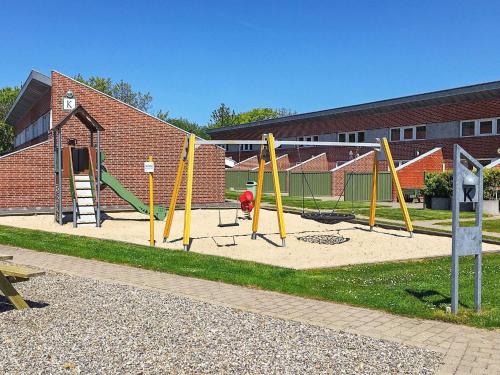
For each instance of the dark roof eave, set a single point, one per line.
(435, 96)
(42, 79)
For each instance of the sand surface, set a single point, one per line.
(362, 246)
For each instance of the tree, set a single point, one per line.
(7, 97)
(222, 116)
(120, 90)
(260, 114)
(185, 124)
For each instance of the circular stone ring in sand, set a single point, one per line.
(324, 239)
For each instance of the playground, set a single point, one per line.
(360, 246)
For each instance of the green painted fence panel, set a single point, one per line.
(319, 183)
(237, 180)
(359, 186)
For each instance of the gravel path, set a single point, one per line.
(90, 326)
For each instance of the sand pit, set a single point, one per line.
(361, 246)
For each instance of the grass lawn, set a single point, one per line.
(416, 289)
(488, 225)
(360, 208)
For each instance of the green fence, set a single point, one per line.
(237, 180)
(359, 186)
(319, 183)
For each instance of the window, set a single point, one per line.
(316, 138)
(486, 127)
(474, 128)
(352, 137)
(396, 134)
(246, 147)
(409, 133)
(468, 128)
(421, 132)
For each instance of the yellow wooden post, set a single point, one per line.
(11, 293)
(402, 202)
(175, 192)
(258, 194)
(277, 188)
(151, 208)
(373, 203)
(189, 191)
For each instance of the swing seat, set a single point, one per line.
(225, 225)
(328, 218)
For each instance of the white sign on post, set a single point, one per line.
(149, 167)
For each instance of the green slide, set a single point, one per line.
(160, 212)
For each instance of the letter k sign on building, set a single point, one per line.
(69, 104)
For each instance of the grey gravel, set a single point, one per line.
(89, 326)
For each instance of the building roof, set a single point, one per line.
(472, 92)
(33, 89)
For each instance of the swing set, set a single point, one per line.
(268, 146)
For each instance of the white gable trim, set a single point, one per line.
(24, 149)
(418, 158)
(269, 162)
(351, 161)
(247, 159)
(307, 161)
(493, 164)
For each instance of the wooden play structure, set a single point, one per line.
(267, 154)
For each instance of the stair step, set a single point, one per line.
(86, 219)
(86, 224)
(86, 210)
(82, 178)
(85, 202)
(84, 193)
(82, 185)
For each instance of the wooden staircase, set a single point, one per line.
(84, 200)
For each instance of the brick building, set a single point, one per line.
(414, 125)
(129, 137)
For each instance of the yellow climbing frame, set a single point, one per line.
(268, 150)
(268, 153)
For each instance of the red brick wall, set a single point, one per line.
(412, 176)
(249, 163)
(282, 162)
(315, 164)
(361, 164)
(27, 178)
(129, 137)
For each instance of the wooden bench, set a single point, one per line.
(10, 273)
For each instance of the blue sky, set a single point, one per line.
(302, 55)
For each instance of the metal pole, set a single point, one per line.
(151, 208)
(59, 175)
(75, 218)
(98, 185)
(455, 224)
(478, 256)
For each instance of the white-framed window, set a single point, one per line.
(39, 127)
(480, 127)
(352, 137)
(246, 147)
(408, 133)
(308, 138)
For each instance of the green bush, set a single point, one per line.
(438, 185)
(491, 183)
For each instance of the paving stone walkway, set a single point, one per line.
(467, 350)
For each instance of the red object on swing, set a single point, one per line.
(246, 200)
